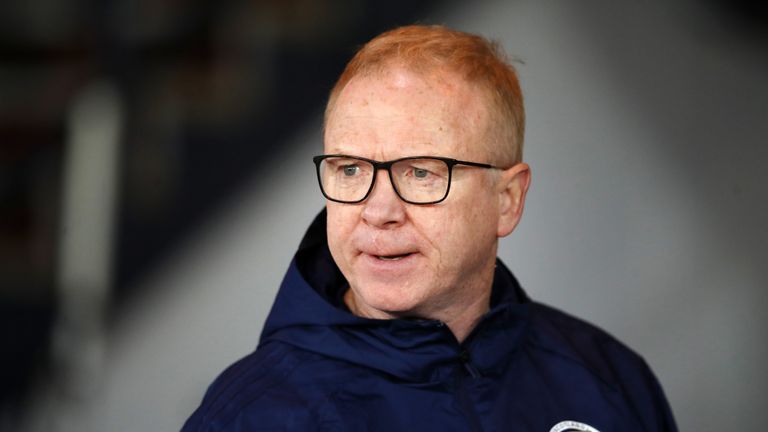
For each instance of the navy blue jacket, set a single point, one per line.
(525, 367)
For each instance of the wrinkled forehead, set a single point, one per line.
(407, 108)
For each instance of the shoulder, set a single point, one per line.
(575, 341)
(574, 338)
(260, 392)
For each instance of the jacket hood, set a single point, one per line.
(309, 314)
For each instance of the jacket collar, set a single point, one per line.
(308, 313)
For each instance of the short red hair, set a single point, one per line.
(425, 49)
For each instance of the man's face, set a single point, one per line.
(403, 259)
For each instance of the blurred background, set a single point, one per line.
(155, 180)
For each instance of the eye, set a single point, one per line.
(350, 170)
(420, 172)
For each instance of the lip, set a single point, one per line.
(404, 262)
(393, 257)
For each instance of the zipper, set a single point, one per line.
(462, 394)
(465, 360)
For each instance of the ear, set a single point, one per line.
(512, 188)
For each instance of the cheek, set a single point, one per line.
(340, 224)
(446, 230)
(463, 231)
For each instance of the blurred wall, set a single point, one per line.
(646, 216)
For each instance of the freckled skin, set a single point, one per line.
(452, 244)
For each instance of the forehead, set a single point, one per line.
(400, 113)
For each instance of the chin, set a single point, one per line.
(384, 299)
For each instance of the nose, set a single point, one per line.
(383, 208)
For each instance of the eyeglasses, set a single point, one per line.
(415, 179)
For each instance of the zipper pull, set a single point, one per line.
(466, 361)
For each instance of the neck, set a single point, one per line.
(464, 321)
(461, 318)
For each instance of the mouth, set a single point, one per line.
(392, 257)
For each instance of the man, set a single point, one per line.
(395, 313)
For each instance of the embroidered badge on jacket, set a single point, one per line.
(571, 426)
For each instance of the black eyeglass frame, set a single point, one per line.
(387, 165)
